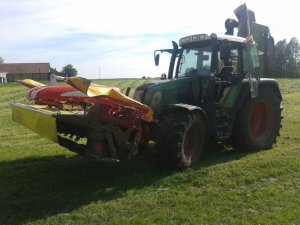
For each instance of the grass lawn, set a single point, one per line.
(42, 183)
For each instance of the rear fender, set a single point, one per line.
(271, 83)
(245, 91)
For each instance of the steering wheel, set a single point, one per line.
(202, 71)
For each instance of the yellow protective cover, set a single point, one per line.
(94, 90)
(36, 119)
(31, 83)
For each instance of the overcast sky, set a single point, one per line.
(116, 38)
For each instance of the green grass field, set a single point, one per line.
(42, 183)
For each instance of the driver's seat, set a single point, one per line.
(226, 73)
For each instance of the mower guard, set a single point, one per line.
(38, 118)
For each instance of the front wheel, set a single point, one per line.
(258, 122)
(181, 139)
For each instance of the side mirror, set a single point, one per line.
(163, 76)
(156, 59)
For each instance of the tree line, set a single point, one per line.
(287, 58)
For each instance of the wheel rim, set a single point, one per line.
(191, 142)
(262, 120)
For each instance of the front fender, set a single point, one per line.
(186, 107)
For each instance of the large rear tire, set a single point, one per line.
(181, 139)
(258, 122)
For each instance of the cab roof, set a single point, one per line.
(199, 38)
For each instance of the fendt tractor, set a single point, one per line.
(214, 90)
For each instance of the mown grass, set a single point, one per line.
(42, 183)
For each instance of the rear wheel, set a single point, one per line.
(258, 122)
(181, 139)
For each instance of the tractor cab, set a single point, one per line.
(214, 63)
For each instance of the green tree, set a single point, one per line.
(1, 60)
(69, 71)
(292, 54)
(280, 62)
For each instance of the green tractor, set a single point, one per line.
(213, 89)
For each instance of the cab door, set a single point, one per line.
(193, 65)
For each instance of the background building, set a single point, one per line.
(20, 71)
(3, 78)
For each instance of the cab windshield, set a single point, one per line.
(195, 61)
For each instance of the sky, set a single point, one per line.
(115, 38)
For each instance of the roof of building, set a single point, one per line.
(25, 68)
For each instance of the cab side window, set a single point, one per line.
(229, 62)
